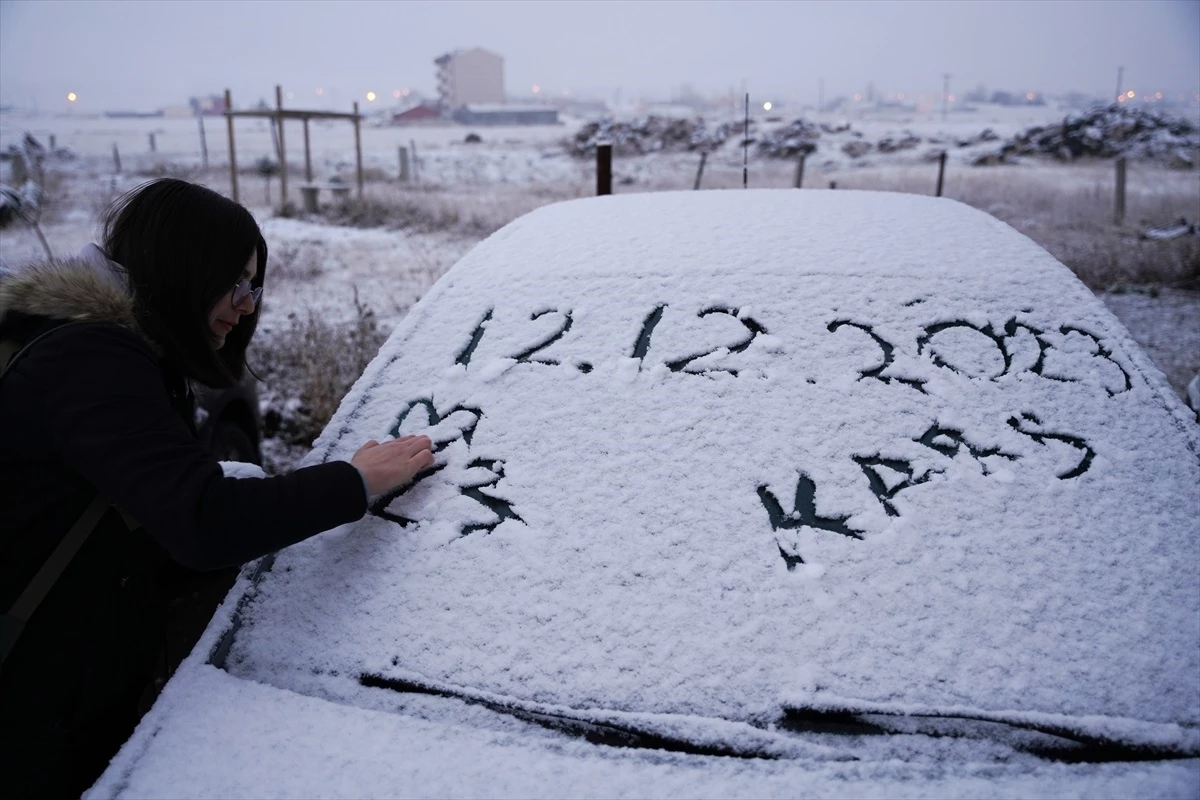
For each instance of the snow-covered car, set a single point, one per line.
(737, 493)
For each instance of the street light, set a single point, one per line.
(370, 97)
(72, 97)
(767, 106)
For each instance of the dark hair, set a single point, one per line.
(183, 247)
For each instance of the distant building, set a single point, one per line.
(211, 106)
(419, 113)
(506, 115)
(469, 76)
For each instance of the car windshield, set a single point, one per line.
(722, 466)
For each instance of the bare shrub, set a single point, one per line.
(420, 213)
(307, 370)
(296, 261)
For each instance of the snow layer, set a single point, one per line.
(708, 455)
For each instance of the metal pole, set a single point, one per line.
(1120, 81)
(941, 172)
(1119, 214)
(700, 171)
(403, 164)
(358, 149)
(416, 165)
(152, 147)
(945, 93)
(746, 147)
(604, 169)
(282, 152)
(307, 154)
(116, 158)
(800, 171)
(203, 141)
(232, 149)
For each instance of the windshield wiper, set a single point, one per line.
(602, 733)
(1045, 737)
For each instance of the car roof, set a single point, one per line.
(725, 455)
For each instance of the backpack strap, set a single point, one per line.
(13, 622)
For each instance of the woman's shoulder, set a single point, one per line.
(70, 290)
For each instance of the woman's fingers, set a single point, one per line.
(394, 463)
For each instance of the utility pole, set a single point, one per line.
(820, 95)
(1120, 80)
(945, 94)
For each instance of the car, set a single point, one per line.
(736, 493)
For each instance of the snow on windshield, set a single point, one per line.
(707, 453)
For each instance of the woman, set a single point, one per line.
(98, 405)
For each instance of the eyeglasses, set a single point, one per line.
(242, 289)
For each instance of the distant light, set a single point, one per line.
(950, 98)
(370, 97)
(857, 96)
(320, 91)
(1030, 95)
(397, 94)
(767, 106)
(1131, 94)
(72, 96)
(536, 88)
(404, 92)
(1158, 95)
(1121, 99)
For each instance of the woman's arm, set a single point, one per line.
(108, 415)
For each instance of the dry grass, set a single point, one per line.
(307, 370)
(1069, 211)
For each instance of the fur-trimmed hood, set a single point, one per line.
(86, 288)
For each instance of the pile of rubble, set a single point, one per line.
(652, 134)
(800, 136)
(1107, 133)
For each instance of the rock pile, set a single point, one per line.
(798, 136)
(1107, 133)
(652, 134)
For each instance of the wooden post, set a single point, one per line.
(203, 141)
(52, 143)
(404, 165)
(232, 150)
(833, 184)
(415, 164)
(282, 151)
(152, 148)
(604, 169)
(800, 171)
(941, 173)
(116, 158)
(358, 149)
(1119, 213)
(700, 170)
(307, 154)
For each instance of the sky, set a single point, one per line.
(145, 55)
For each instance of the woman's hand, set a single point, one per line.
(392, 464)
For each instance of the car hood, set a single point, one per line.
(738, 455)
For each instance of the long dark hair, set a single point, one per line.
(183, 247)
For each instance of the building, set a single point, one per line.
(419, 113)
(469, 76)
(482, 114)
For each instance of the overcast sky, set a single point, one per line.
(146, 55)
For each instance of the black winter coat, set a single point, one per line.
(92, 407)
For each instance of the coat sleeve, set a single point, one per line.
(108, 415)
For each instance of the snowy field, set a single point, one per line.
(319, 268)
